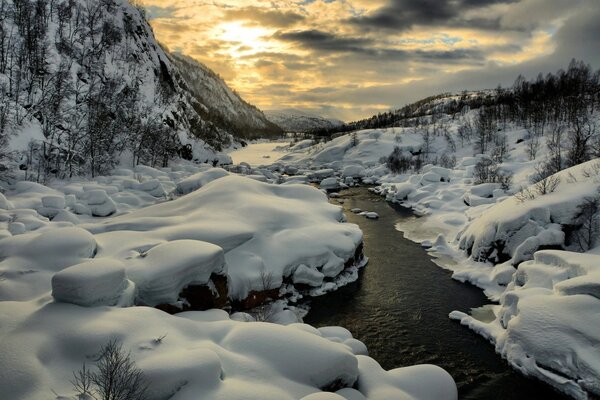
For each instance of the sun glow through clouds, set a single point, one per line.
(242, 39)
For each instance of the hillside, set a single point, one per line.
(216, 102)
(84, 86)
(298, 121)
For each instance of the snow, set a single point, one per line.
(163, 271)
(496, 239)
(200, 179)
(329, 184)
(371, 215)
(195, 356)
(308, 276)
(71, 284)
(92, 283)
(259, 153)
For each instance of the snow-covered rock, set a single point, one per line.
(371, 215)
(162, 272)
(92, 283)
(517, 228)
(262, 228)
(200, 179)
(100, 204)
(57, 202)
(308, 276)
(353, 171)
(330, 184)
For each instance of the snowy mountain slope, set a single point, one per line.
(89, 86)
(217, 103)
(297, 121)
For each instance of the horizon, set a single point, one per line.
(352, 59)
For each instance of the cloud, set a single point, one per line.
(352, 58)
(263, 17)
(402, 15)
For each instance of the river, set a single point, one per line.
(399, 308)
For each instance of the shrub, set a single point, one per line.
(116, 377)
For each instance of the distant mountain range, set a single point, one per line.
(293, 120)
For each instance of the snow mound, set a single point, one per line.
(192, 356)
(263, 229)
(200, 179)
(163, 271)
(92, 283)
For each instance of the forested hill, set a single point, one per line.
(563, 96)
(84, 84)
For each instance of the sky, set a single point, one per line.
(350, 59)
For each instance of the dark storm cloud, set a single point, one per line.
(321, 41)
(403, 14)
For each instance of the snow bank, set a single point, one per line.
(192, 356)
(516, 228)
(557, 293)
(263, 229)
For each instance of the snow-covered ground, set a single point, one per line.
(83, 262)
(545, 323)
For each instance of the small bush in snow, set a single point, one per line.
(588, 217)
(447, 162)
(354, 139)
(398, 163)
(488, 171)
(116, 377)
(545, 182)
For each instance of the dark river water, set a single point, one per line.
(399, 308)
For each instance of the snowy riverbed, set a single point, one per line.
(83, 262)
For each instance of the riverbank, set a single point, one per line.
(400, 304)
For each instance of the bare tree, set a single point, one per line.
(588, 214)
(116, 376)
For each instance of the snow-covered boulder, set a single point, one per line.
(330, 184)
(200, 179)
(557, 293)
(153, 187)
(57, 202)
(353, 171)
(99, 282)
(162, 272)
(308, 276)
(262, 228)
(323, 173)
(372, 215)
(100, 204)
(4, 203)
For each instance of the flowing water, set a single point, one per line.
(399, 308)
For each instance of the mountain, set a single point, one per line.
(292, 120)
(219, 104)
(84, 86)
